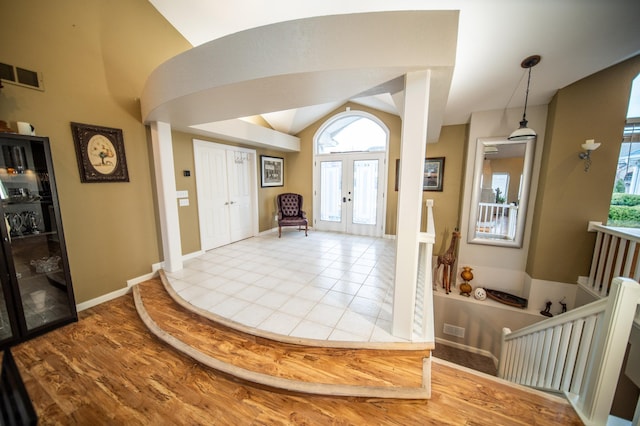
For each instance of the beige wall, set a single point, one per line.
(568, 198)
(94, 56)
(446, 204)
(187, 215)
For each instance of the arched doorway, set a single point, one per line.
(350, 174)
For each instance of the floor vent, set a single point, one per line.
(21, 76)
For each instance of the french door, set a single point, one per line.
(349, 193)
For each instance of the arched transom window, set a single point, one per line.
(351, 132)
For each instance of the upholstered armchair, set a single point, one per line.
(290, 212)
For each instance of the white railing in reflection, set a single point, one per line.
(423, 320)
(578, 353)
(497, 220)
(616, 254)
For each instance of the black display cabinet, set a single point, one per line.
(36, 295)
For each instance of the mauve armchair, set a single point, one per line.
(290, 212)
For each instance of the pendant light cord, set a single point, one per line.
(526, 97)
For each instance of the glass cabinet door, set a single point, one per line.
(34, 252)
(6, 328)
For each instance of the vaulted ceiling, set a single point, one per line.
(575, 38)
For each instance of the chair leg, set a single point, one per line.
(306, 227)
(279, 231)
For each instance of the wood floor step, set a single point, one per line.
(337, 371)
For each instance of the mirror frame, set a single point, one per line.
(481, 143)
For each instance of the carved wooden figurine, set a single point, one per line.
(447, 260)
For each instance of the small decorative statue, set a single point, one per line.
(546, 312)
(564, 306)
(447, 260)
(467, 275)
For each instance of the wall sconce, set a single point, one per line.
(588, 146)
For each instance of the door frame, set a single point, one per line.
(202, 144)
(347, 160)
(383, 178)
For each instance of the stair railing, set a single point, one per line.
(615, 254)
(424, 320)
(578, 353)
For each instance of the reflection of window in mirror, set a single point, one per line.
(500, 184)
(520, 188)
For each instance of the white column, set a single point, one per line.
(414, 140)
(166, 190)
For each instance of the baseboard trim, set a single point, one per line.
(193, 255)
(155, 267)
(101, 299)
(468, 349)
(143, 278)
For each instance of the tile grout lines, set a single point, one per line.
(325, 286)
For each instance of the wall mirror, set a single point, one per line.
(501, 182)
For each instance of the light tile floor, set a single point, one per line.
(325, 286)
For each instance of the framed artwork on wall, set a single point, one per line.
(433, 174)
(100, 153)
(271, 171)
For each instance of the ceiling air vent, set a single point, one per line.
(21, 76)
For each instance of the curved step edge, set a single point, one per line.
(276, 382)
(397, 346)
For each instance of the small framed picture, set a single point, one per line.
(100, 153)
(272, 171)
(433, 174)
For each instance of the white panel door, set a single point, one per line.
(213, 200)
(239, 184)
(227, 194)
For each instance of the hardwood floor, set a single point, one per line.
(108, 369)
(392, 373)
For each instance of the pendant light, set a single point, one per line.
(524, 133)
